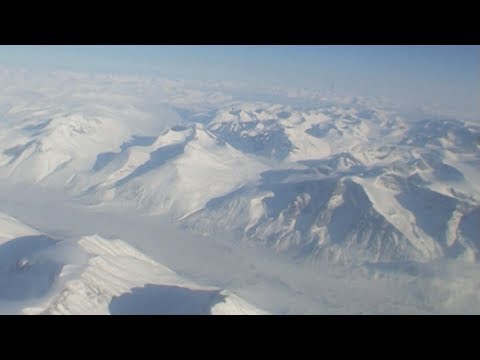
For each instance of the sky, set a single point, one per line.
(448, 76)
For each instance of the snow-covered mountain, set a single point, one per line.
(282, 133)
(178, 172)
(60, 145)
(92, 275)
(58, 125)
(342, 181)
(388, 190)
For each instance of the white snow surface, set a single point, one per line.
(110, 271)
(316, 180)
(101, 281)
(11, 228)
(116, 269)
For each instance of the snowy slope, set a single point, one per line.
(62, 145)
(42, 275)
(372, 203)
(272, 131)
(56, 125)
(178, 173)
(282, 133)
(118, 279)
(327, 219)
(342, 179)
(11, 228)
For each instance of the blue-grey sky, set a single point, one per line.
(447, 75)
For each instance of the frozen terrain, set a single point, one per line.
(289, 202)
(92, 275)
